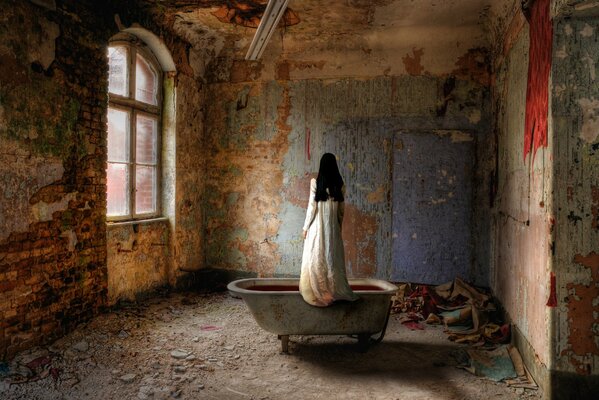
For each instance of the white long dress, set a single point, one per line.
(323, 279)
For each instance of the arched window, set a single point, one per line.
(134, 124)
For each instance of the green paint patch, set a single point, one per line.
(234, 170)
(164, 236)
(214, 203)
(222, 247)
(273, 99)
(589, 156)
(83, 261)
(235, 257)
(232, 198)
(240, 234)
(221, 254)
(67, 219)
(40, 113)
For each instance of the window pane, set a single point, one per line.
(146, 139)
(117, 189)
(118, 77)
(146, 81)
(145, 185)
(118, 135)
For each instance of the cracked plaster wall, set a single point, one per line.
(522, 210)
(258, 169)
(557, 196)
(575, 92)
(58, 265)
(190, 174)
(52, 185)
(149, 255)
(146, 256)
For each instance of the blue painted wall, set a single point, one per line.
(257, 148)
(432, 207)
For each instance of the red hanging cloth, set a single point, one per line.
(539, 67)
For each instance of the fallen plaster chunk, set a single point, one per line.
(128, 378)
(81, 346)
(179, 354)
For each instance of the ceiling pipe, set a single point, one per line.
(269, 22)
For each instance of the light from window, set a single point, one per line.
(118, 74)
(146, 141)
(146, 83)
(118, 162)
(133, 135)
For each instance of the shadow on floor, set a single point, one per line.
(414, 363)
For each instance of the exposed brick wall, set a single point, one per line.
(53, 99)
(52, 266)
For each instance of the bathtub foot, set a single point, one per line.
(382, 334)
(363, 342)
(284, 343)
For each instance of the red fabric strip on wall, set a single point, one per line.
(539, 67)
(552, 300)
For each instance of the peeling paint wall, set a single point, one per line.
(265, 139)
(522, 205)
(52, 179)
(58, 264)
(546, 220)
(138, 259)
(248, 139)
(190, 164)
(575, 94)
(152, 254)
(311, 92)
(160, 253)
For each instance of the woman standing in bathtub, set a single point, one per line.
(323, 279)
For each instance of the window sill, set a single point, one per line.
(115, 224)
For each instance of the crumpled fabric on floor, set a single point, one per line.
(494, 364)
(468, 316)
(465, 311)
(30, 367)
(410, 320)
(497, 363)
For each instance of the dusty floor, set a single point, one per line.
(209, 347)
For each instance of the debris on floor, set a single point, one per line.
(501, 363)
(410, 320)
(494, 364)
(31, 366)
(467, 315)
(523, 379)
(465, 311)
(164, 348)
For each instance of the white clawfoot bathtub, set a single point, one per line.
(278, 307)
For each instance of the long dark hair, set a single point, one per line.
(328, 178)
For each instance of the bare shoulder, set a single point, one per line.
(313, 182)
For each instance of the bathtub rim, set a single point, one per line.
(234, 286)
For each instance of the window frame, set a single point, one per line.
(134, 107)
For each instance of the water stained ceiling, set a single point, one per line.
(364, 35)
